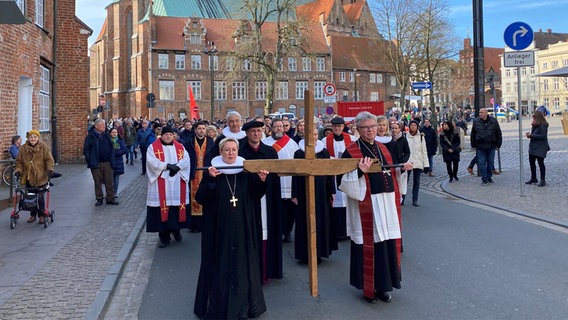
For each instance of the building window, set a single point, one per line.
(260, 90)
(342, 76)
(523, 71)
(320, 64)
(307, 64)
(545, 102)
(22, 5)
(344, 95)
(162, 61)
(44, 99)
(239, 90)
(554, 64)
(532, 70)
(180, 61)
(194, 38)
(280, 65)
(282, 90)
(352, 76)
(301, 86)
(220, 88)
(545, 85)
(556, 103)
(374, 96)
(393, 81)
(566, 103)
(292, 66)
(215, 64)
(196, 88)
(230, 63)
(372, 77)
(39, 13)
(195, 62)
(167, 89)
(544, 65)
(556, 84)
(507, 72)
(318, 90)
(379, 78)
(247, 65)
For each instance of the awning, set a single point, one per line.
(562, 72)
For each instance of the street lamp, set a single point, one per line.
(211, 51)
(491, 77)
(355, 83)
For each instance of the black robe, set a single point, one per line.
(325, 235)
(274, 217)
(229, 285)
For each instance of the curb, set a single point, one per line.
(525, 214)
(102, 300)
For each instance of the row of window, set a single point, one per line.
(555, 103)
(557, 83)
(238, 90)
(554, 64)
(230, 63)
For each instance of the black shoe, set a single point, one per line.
(99, 203)
(531, 181)
(143, 173)
(370, 300)
(402, 201)
(490, 180)
(177, 236)
(542, 183)
(112, 202)
(451, 179)
(163, 244)
(415, 203)
(456, 178)
(384, 296)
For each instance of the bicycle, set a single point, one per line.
(8, 172)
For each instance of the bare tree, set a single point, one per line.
(265, 45)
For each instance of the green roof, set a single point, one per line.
(211, 9)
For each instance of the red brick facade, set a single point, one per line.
(57, 50)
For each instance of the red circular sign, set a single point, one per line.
(329, 89)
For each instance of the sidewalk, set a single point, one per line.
(71, 269)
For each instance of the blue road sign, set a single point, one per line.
(421, 85)
(518, 36)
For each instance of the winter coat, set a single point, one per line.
(118, 166)
(450, 140)
(35, 163)
(418, 151)
(91, 149)
(431, 138)
(144, 138)
(129, 135)
(486, 134)
(538, 146)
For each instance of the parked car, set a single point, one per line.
(290, 115)
(502, 113)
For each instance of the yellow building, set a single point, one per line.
(553, 90)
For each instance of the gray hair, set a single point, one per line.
(363, 116)
(225, 140)
(232, 114)
(99, 120)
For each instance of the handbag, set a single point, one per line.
(457, 150)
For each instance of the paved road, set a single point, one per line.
(74, 265)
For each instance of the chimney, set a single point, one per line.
(539, 30)
(548, 30)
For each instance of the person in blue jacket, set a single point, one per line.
(144, 138)
(118, 150)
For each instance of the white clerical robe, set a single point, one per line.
(287, 152)
(155, 167)
(385, 217)
(339, 147)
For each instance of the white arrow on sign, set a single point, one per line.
(523, 31)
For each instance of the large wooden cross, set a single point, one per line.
(308, 167)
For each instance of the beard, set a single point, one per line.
(277, 135)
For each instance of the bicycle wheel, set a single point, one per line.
(7, 175)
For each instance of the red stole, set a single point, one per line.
(367, 225)
(159, 153)
(281, 143)
(329, 142)
(196, 209)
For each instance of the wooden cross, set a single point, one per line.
(308, 167)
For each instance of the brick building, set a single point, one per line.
(44, 77)
(150, 47)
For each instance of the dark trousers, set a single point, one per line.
(415, 182)
(143, 154)
(103, 175)
(452, 168)
(532, 163)
(289, 210)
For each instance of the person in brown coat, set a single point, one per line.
(34, 166)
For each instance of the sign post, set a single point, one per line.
(519, 36)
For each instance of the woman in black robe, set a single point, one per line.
(229, 285)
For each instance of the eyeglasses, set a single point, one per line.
(373, 127)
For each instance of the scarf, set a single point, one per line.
(397, 136)
(281, 143)
(115, 144)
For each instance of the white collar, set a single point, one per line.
(218, 163)
(319, 145)
(229, 134)
(383, 139)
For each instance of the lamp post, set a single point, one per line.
(355, 84)
(210, 52)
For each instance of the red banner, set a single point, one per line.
(351, 109)
(193, 108)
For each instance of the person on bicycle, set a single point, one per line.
(15, 146)
(34, 166)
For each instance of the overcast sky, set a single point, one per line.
(497, 15)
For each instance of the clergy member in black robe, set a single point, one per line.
(252, 148)
(324, 190)
(229, 285)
